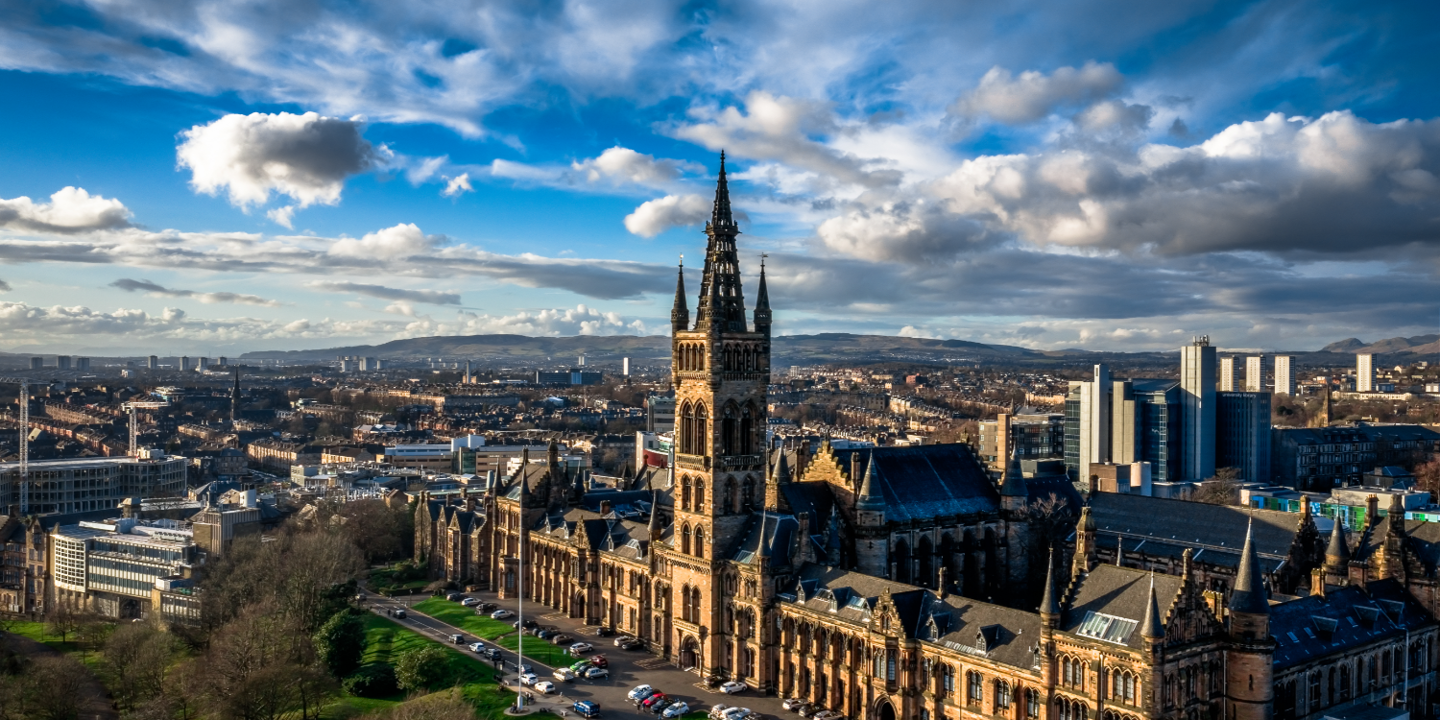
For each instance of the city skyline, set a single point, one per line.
(218, 178)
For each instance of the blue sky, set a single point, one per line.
(214, 177)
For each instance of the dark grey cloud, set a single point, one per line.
(157, 290)
(433, 297)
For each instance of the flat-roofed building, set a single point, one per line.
(1284, 375)
(87, 484)
(112, 566)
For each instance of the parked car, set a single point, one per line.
(454, 597)
(604, 631)
(633, 644)
(808, 710)
(639, 691)
(587, 708)
(717, 711)
(649, 702)
(736, 713)
(565, 675)
(501, 614)
(646, 696)
(581, 666)
(559, 638)
(487, 607)
(545, 686)
(597, 674)
(544, 633)
(793, 703)
(676, 710)
(734, 686)
(580, 648)
(828, 715)
(623, 639)
(528, 678)
(470, 602)
(598, 661)
(660, 706)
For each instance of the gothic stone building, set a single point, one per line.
(888, 583)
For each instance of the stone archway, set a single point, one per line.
(690, 655)
(885, 711)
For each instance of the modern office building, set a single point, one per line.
(1255, 373)
(1091, 424)
(113, 566)
(1227, 375)
(1143, 426)
(1031, 437)
(1284, 374)
(660, 413)
(1364, 372)
(87, 484)
(1197, 407)
(1242, 438)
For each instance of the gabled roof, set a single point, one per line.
(778, 533)
(1109, 593)
(928, 481)
(853, 596)
(1193, 524)
(1004, 635)
(1344, 618)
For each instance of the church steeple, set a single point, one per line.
(722, 300)
(680, 313)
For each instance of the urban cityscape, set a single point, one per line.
(1044, 402)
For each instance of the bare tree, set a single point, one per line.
(438, 706)
(61, 619)
(1221, 489)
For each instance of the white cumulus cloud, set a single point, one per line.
(1033, 95)
(70, 210)
(305, 157)
(457, 186)
(661, 214)
(400, 241)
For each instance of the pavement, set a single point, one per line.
(627, 668)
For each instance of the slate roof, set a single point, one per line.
(927, 481)
(779, 535)
(852, 595)
(994, 632)
(1120, 592)
(1218, 557)
(1345, 618)
(1193, 524)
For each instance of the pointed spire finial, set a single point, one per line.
(1013, 484)
(1249, 593)
(1050, 599)
(871, 497)
(1153, 627)
(1337, 555)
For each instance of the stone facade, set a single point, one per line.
(891, 583)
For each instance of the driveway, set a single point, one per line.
(627, 668)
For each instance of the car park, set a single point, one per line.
(734, 686)
(586, 708)
(528, 678)
(545, 686)
(676, 710)
(623, 639)
(565, 675)
(640, 691)
(501, 614)
(470, 602)
(580, 648)
(595, 673)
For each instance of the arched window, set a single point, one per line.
(947, 680)
(699, 495)
(687, 428)
(1032, 704)
(695, 603)
(685, 603)
(974, 688)
(1072, 672)
(702, 427)
(1122, 687)
(729, 430)
(699, 542)
(747, 431)
(1002, 695)
(685, 539)
(748, 499)
(731, 498)
(685, 492)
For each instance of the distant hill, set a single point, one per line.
(1419, 345)
(791, 349)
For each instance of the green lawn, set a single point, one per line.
(453, 613)
(71, 646)
(385, 641)
(539, 650)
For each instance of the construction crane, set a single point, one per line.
(24, 402)
(132, 406)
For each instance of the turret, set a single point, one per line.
(871, 501)
(1085, 549)
(1337, 555)
(1153, 627)
(872, 540)
(1050, 607)
(1249, 664)
(762, 303)
(1013, 492)
(680, 312)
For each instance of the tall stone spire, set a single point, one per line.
(680, 313)
(1337, 556)
(1249, 593)
(763, 318)
(235, 398)
(722, 301)
(655, 527)
(1154, 625)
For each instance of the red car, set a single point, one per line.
(599, 661)
(650, 701)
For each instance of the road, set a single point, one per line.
(627, 668)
